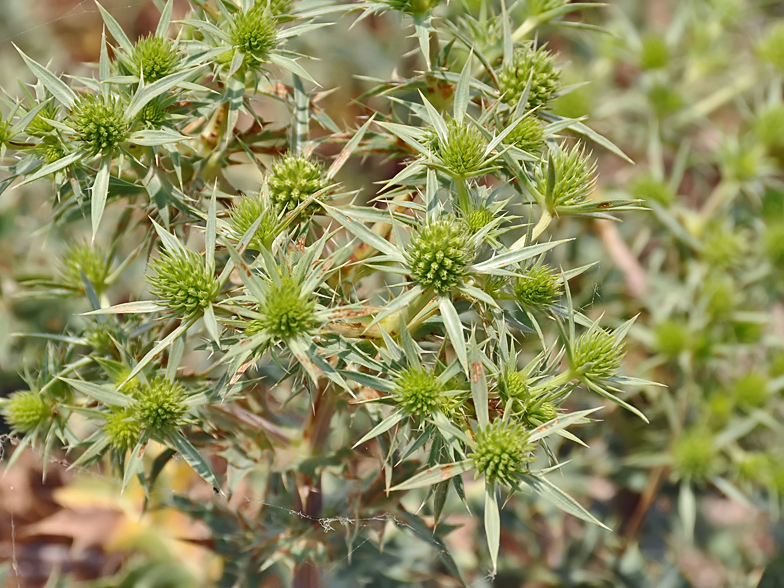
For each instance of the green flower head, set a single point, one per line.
(4, 135)
(654, 54)
(439, 254)
(694, 454)
(648, 188)
(538, 287)
(51, 151)
(751, 390)
(99, 123)
(575, 176)
(513, 386)
(502, 450)
(463, 150)
(183, 282)
(722, 247)
(244, 214)
(415, 7)
(672, 337)
(93, 262)
(771, 48)
(39, 126)
(293, 180)
(99, 336)
(253, 32)
(153, 58)
(152, 115)
(528, 135)
(774, 244)
(286, 311)
(540, 413)
(26, 411)
(478, 219)
(538, 65)
(419, 393)
(596, 355)
(122, 429)
(160, 405)
(276, 7)
(769, 126)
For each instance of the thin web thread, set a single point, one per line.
(326, 523)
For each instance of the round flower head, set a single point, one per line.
(183, 282)
(771, 48)
(91, 261)
(664, 99)
(286, 312)
(545, 81)
(417, 7)
(540, 414)
(723, 248)
(647, 188)
(122, 429)
(575, 176)
(99, 336)
(244, 214)
(293, 180)
(720, 296)
(51, 151)
(277, 7)
(751, 390)
(514, 385)
(25, 411)
(160, 405)
(152, 115)
(439, 254)
(654, 54)
(694, 454)
(528, 135)
(769, 126)
(755, 467)
(39, 126)
(774, 243)
(253, 33)
(463, 150)
(502, 450)
(596, 355)
(153, 58)
(478, 219)
(538, 287)
(419, 393)
(99, 123)
(671, 337)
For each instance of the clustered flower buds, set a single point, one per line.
(183, 282)
(153, 58)
(439, 255)
(123, 429)
(528, 135)
(160, 405)
(418, 392)
(286, 311)
(538, 65)
(253, 32)
(99, 123)
(575, 177)
(26, 411)
(502, 450)
(463, 150)
(538, 287)
(694, 454)
(80, 258)
(245, 212)
(293, 180)
(597, 355)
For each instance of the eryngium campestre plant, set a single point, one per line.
(153, 58)
(99, 123)
(293, 180)
(26, 411)
(534, 64)
(502, 452)
(182, 281)
(439, 254)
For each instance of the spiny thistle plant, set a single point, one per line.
(398, 352)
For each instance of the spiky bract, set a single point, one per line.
(575, 177)
(99, 123)
(463, 149)
(597, 355)
(538, 287)
(439, 254)
(160, 405)
(26, 411)
(122, 429)
(153, 58)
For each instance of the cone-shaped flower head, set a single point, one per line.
(439, 254)
(514, 386)
(478, 219)
(502, 450)
(596, 355)
(672, 337)
(540, 413)
(575, 176)
(514, 76)
(92, 261)
(419, 393)
(244, 214)
(286, 311)
(751, 390)
(293, 180)
(122, 429)
(694, 454)
(538, 287)
(277, 7)
(183, 282)
(25, 411)
(654, 54)
(160, 405)
(463, 150)
(528, 135)
(99, 123)
(39, 126)
(253, 32)
(153, 58)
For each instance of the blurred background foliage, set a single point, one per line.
(691, 90)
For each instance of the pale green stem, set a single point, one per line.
(463, 197)
(391, 324)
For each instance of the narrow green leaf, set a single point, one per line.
(381, 427)
(454, 328)
(55, 85)
(193, 458)
(139, 307)
(517, 255)
(289, 64)
(115, 29)
(346, 152)
(560, 499)
(364, 234)
(212, 229)
(100, 393)
(158, 349)
(479, 385)
(54, 167)
(162, 31)
(559, 423)
(492, 522)
(147, 93)
(134, 461)
(100, 191)
(463, 90)
(435, 475)
(687, 509)
(154, 137)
